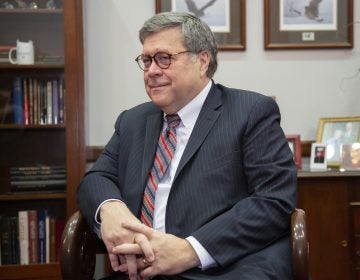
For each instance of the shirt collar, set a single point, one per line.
(190, 112)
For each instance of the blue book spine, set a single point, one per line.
(42, 235)
(18, 101)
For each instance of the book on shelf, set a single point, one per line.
(9, 245)
(61, 101)
(5, 239)
(38, 185)
(18, 101)
(49, 103)
(33, 236)
(34, 101)
(24, 236)
(55, 102)
(14, 229)
(52, 237)
(26, 102)
(37, 178)
(38, 168)
(42, 213)
(43, 104)
(40, 244)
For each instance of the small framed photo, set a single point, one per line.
(294, 24)
(226, 18)
(333, 132)
(350, 157)
(318, 157)
(295, 146)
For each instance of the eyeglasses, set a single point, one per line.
(162, 59)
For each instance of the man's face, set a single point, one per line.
(172, 88)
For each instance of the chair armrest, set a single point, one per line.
(78, 249)
(300, 247)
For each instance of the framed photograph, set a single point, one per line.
(295, 146)
(295, 24)
(318, 159)
(350, 157)
(226, 18)
(333, 132)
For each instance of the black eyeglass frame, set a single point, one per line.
(153, 58)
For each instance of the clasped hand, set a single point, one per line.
(136, 249)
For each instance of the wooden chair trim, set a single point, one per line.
(78, 250)
(300, 248)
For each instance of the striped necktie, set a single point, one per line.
(164, 153)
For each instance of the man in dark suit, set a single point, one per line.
(221, 208)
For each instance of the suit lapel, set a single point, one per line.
(207, 117)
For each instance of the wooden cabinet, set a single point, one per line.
(355, 213)
(331, 201)
(57, 34)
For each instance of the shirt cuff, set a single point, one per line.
(205, 258)
(97, 213)
(97, 217)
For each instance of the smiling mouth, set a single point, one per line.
(157, 86)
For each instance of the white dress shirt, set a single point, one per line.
(188, 116)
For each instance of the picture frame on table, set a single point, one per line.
(318, 161)
(296, 24)
(350, 157)
(334, 132)
(295, 146)
(226, 18)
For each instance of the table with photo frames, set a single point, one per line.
(331, 200)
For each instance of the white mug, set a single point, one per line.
(24, 53)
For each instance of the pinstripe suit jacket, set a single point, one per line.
(235, 186)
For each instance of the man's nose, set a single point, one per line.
(154, 68)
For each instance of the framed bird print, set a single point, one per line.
(308, 24)
(226, 18)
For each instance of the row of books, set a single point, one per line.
(33, 101)
(30, 237)
(37, 178)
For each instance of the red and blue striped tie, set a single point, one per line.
(164, 153)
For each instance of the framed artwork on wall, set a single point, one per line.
(294, 24)
(295, 146)
(334, 132)
(226, 18)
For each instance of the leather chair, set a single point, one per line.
(80, 246)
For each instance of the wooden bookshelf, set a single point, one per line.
(58, 42)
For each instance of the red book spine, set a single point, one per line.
(33, 236)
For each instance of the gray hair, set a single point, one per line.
(196, 34)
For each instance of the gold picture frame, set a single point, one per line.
(337, 131)
(229, 31)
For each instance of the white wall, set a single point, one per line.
(308, 84)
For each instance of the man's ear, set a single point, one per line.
(204, 58)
